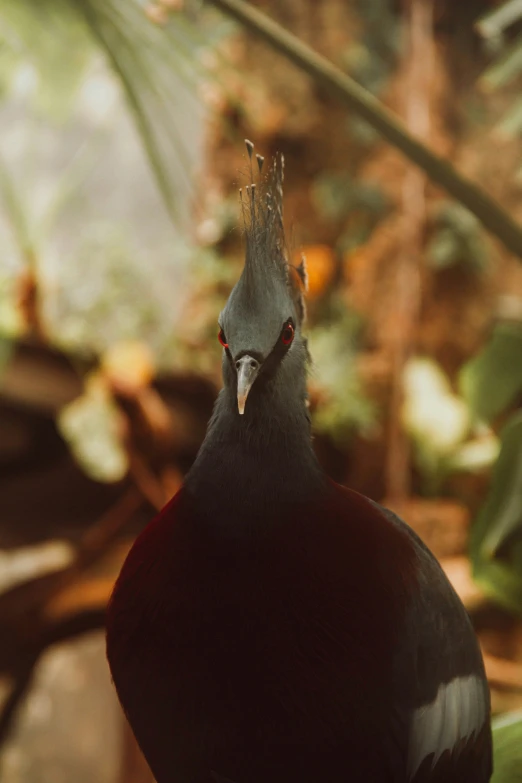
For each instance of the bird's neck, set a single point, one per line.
(250, 464)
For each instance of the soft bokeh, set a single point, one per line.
(122, 127)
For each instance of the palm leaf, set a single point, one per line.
(495, 22)
(496, 535)
(50, 40)
(159, 69)
(505, 69)
(491, 381)
(151, 64)
(507, 748)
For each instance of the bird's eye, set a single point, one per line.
(222, 339)
(287, 335)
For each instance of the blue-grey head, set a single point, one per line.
(260, 326)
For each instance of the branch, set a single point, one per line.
(69, 628)
(31, 603)
(488, 211)
(65, 630)
(22, 683)
(29, 600)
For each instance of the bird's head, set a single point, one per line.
(260, 327)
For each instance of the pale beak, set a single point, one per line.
(247, 369)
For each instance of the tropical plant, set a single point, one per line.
(52, 43)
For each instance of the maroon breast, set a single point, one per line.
(229, 652)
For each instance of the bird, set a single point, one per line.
(270, 625)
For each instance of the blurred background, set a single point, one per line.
(121, 154)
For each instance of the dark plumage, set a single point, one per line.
(270, 626)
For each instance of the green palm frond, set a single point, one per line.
(495, 22)
(506, 68)
(159, 68)
(143, 70)
(507, 748)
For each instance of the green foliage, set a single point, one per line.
(457, 239)
(511, 124)
(507, 67)
(381, 26)
(507, 749)
(492, 380)
(337, 195)
(366, 67)
(46, 46)
(361, 131)
(358, 204)
(37, 39)
(344, 407)
(370, 59)
(493, 23)
(496, 536)
(491, 383)
(146, 57)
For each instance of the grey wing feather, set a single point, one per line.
(456, 716)
(445, 712)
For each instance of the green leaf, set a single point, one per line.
(336, 195)
(147, 59)
(511, 124)
(506, 68)
(457, 238)
(507, 749)
(444, 249)
(504, 506)
(495, 22)
(508, 64)
(344, 408)
(361, 131)
(496, 535)
(491, 381)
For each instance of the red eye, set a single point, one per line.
(287, 334)
(222, 339)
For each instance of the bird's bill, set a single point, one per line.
(246, 375)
